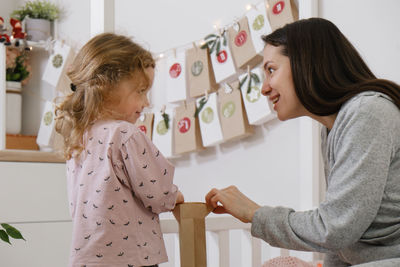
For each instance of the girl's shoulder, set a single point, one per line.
(113, 131)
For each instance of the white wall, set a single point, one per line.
(373, 28)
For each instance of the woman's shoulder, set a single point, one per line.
(371, 103)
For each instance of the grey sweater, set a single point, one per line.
(359, 221)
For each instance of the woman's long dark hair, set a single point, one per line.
(326, 68)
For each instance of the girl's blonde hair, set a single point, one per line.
(101, 63)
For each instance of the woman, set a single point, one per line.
(313, 70)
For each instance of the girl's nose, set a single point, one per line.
(266, 89)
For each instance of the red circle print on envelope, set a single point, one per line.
(184, 125)
(175, 70)
(278, 7)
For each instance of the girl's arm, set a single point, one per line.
(150, 174)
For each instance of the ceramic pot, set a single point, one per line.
(37, 29)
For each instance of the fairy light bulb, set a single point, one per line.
(248, 7)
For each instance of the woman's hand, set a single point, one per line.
(232, 202)
(179, 198)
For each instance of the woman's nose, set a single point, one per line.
(266, 89)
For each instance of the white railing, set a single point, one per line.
(229, 244)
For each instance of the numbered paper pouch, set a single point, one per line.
(258, 26)
(281, 12)
(210, 126)
(199, 71)
(187, 135)
(221, 56)
(145, 124)
(257, 107)
(233, 117)
(48, 139)
(243, 51)
(176, 77)
(55, 71)
(162, 132)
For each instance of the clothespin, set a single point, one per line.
(248, 70)
(236, 25)
(206, 95)
(195, 46)
(174, 51)
(163, 109)
(228, 88)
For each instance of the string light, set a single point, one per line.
(248, 7)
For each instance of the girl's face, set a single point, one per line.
(278, 84)
(132, 95)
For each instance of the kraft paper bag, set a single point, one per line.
(176, 77)
(187, 135)
(221, 57)
(162, 133)
(48, 139)
(234, 120)
(243, 51)
(258, 25)
(281, 12)
(56, 68)
(199, 72)
(257, 107)
(210, 126)
(145, 124)
(192, 233)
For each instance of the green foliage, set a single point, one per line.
(37, 10)
(166, 119)
(202, 102)
(253, 78)
(8, 232)
(213, 42)
(19, 72)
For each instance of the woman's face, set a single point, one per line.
(278, 84)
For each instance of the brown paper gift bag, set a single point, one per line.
(192, 233)
(145, 124)
(199, 72)
(281, 12)
(243, 50)
(234, 122)
(187, 135)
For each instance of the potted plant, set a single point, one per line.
(9, 231)
(38, 16)
(17, 74)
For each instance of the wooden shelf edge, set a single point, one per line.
(15, 155)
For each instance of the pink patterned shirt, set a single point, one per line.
(116, 189)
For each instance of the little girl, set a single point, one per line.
(118, 181)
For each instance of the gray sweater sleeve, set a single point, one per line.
(360, 153)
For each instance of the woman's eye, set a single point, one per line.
(270, 70)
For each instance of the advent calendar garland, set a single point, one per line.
(201, 75)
